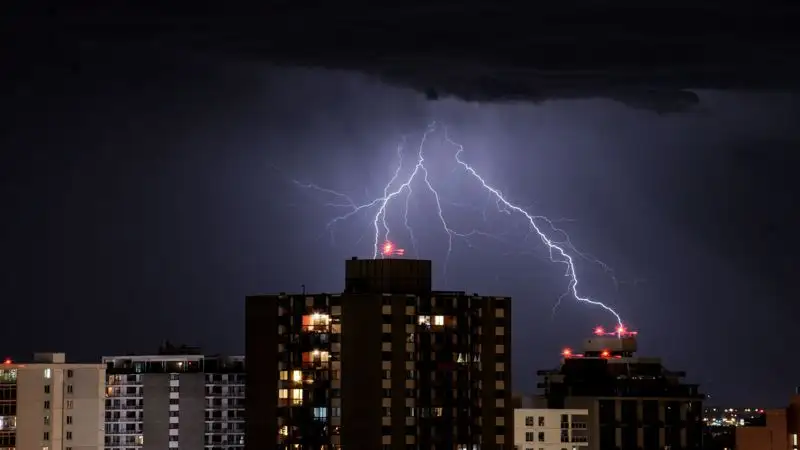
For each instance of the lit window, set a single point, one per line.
(297, 396)
(284, 375)
(8, 375)
(297, 376)
(438, 321)
(283, 393)
(284, 431)
(140, 440)
(316, 356)
(424, 320)
(320, 413)
(48, 373)
(316, 322)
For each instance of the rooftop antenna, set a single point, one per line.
(303, 287)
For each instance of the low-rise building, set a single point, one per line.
(551, 429)
(51, 404)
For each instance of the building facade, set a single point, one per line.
(50, 404)
(387, 364)
(778, 431)
(551, 429)
(174, 400)
(633, 402)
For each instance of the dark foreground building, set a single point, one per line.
(633, 402)
(387, 364)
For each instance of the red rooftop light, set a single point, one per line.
(566, 353)
(7, 361)
(605, 354)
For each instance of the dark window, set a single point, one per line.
(672, 414)
(628, 412)
(650, 412)
(650, 437)
(672, 436)
(608, 437)
(629, 437)
(607, 414)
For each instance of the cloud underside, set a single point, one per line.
(649, 55)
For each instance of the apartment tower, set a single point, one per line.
(388, 363)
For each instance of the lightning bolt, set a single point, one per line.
(560, 251)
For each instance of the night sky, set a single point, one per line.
(147, 189)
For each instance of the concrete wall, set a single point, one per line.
(773, 436)
(156, 411)
(75, 399)
(192, 410)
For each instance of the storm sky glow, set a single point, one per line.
(559, 251)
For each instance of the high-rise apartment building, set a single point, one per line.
(633, 402)
(176, 399)
(387, 364)
(50, 404)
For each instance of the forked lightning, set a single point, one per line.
(400, 188)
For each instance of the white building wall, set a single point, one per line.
(540, 429)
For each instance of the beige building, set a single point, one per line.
(48, 404)
(551, 429)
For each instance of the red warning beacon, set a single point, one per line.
(389, 249)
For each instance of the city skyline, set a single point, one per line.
(148, 188)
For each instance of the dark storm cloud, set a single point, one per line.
(649, 55)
